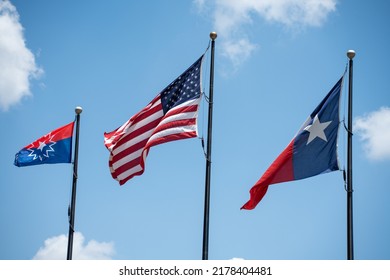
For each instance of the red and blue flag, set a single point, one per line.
(54, 147)
(312, 151)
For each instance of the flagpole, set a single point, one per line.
(205, 251)
(72, 209)
(350, 254)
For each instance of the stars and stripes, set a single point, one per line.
(171, 115)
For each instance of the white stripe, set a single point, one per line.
(118, 133)
(126, 159)
(174, 130)
(132, 141)
(190, 102)
(181, 116)
(143, 122)
(129, 172)
(119, 148)
(129, 126)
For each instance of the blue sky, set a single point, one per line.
(275, 61)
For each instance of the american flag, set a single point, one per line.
(171, 115)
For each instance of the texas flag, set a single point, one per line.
(54, 147)
(312, 151)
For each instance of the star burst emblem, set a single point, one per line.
(45, 147)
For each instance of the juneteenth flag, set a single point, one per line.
(312, 151)
(171, 115)
(54, 147)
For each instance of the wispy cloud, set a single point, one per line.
(374, 131)
(231, 19)
(17, 63)
(55, 248)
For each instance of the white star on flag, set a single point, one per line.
(44, 148)
(316, 129)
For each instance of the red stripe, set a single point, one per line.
(147, 109)
(173, 124)
(121, 182)
(172, 137)
(128, 165)
(116, 173)
(137, 132)
(134, 120)
(185, 109)
(146, 113)
(130, 150)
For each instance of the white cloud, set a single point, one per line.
(55, 248)
(237, 50)
(200, 4)
(374, 131)
(17, 63)
(230, 18)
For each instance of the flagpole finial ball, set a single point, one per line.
(213, 35)
(78, 110)
(351, 54)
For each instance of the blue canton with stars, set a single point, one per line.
(185, 87)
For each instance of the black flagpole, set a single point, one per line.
(72, 209)
(205, 251)
(351, 55)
